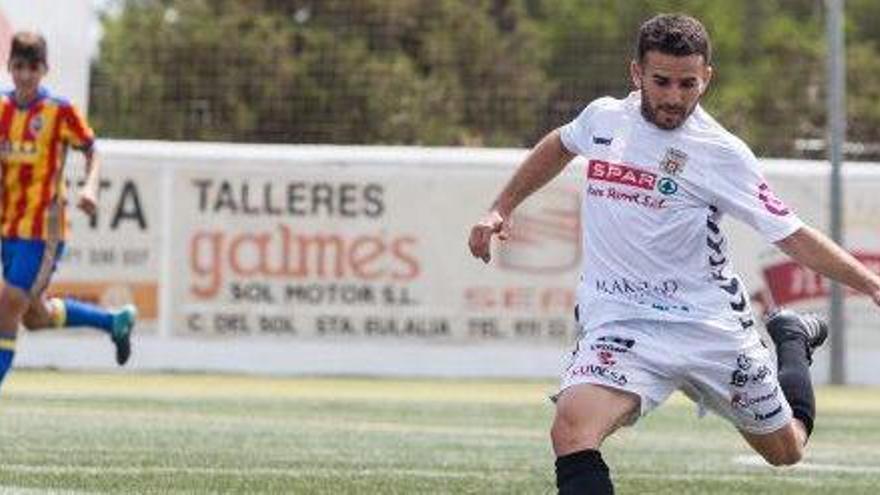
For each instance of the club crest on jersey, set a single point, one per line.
(36, 124)
(674, 161)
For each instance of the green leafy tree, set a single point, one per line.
(414, 72)
(767, 56)
(452, 72)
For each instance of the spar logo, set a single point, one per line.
(621, 174)
(617, 173)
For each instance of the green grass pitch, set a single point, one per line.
(170, 433)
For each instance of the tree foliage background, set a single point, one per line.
(457, 72)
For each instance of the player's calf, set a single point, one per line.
(12, 304)
(7, 353)
(71, 313)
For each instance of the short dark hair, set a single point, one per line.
(29, 46)
(674, 34)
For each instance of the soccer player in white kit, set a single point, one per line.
(660, 308)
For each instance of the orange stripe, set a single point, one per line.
(25, 224)
(48, 181)
(6, 193)
(25, 176)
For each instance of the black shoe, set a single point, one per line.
(784, 324)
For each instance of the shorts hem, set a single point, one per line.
(18, 285)
(764, 430)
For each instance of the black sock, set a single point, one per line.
(794, 376)
(583, 472)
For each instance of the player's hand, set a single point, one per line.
(480, 241)
(88, 202)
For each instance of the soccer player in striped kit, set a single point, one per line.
(36, 130)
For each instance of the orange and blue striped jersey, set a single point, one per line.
(33, 146)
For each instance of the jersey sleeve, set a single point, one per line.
(740, 189)
(75, 130)
(576, 135)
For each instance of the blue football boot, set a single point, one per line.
(123, 324)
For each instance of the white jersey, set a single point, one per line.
(651, 211)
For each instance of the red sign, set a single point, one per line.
(789, 282)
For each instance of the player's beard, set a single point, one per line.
(650, 113)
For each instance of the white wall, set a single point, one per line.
(353, 260)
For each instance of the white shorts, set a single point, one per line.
(730, 373)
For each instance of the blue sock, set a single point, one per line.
(7, 352)
(80, 314)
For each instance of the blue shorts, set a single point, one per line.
(28, 264)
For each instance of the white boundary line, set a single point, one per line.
(17, 490)
(292, 472)
(757, 461)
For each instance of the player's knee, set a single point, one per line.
(28, 321)
(788, 455)
(13, 302)
(570, 433)
(787, 459)
(33, 321)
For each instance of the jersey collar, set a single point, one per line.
(42, 93)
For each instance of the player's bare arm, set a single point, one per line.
(819, 253)
(88, 195)
(544, 162)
